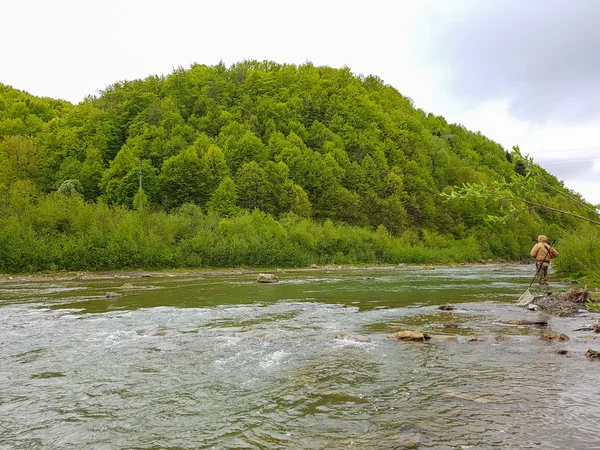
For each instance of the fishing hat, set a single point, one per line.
(542, 238)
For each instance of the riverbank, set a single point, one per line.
(138, 274)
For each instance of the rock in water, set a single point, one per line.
(411, 336)
(542, 323)
(112, 295)
(554, 337)
(447, 308)
(267, 278)
(592, 354)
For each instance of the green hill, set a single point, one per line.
(336, 167)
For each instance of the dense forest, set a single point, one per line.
(257, 164)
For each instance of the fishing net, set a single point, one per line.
(526, 298)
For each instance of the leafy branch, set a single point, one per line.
(520, 193)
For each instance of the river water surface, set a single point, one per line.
(224, 362)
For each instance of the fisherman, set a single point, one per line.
(543, 253)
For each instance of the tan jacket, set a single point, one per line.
(543, 252)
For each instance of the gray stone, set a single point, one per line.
(267, 278)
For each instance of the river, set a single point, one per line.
(223, 362)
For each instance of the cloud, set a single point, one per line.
(542, 56)
(569, 169)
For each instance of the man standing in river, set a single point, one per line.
(543, 253)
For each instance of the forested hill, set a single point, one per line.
(317, 142)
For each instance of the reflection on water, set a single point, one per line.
(223, 362)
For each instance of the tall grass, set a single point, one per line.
(580, 254)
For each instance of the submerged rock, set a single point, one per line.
(409, 436)
(112, 295)
(443, 337)
(267, 278)
(472, 398)
(447, 307)
(347, 337)
(542, 323)
(554, 337)
(411, 336)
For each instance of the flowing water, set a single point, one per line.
(224, 362)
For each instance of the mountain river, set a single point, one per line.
(220, 361)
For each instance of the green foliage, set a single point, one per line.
(323, 165)
(252, 187)
(140, 200)
(70, 188)
(522, 193)
(121, 191)
(225, 198)
(181, 179)
(580, 253)
(593, 306)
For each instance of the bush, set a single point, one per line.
(580, 253)
(60, 232)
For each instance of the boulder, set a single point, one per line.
(411, 336)
(267, 278)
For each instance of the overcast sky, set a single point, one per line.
(523, 73)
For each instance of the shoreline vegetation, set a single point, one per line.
(267, 165)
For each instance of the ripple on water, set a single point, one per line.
(294, 374)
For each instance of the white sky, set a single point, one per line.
(72, 48)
